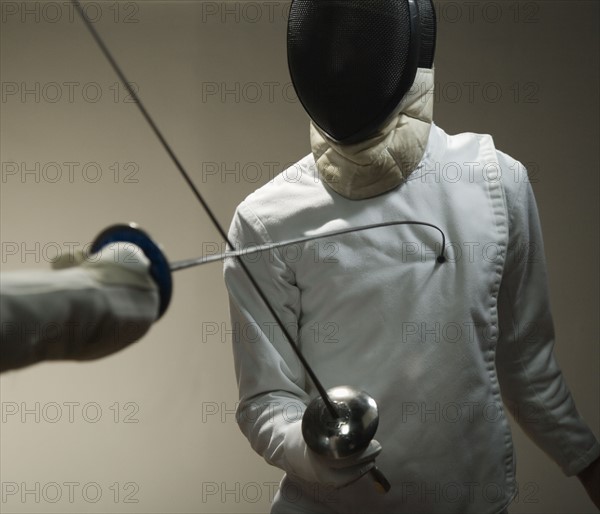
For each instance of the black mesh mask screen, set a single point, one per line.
(352, 61)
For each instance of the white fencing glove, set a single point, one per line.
(311, 467)
(94, 308)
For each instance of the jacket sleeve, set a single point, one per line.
(531, 382)
(270, 378)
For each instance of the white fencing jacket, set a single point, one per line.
(444, 349)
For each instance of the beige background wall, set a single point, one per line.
(152, 429)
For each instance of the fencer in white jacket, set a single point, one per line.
(444, 348)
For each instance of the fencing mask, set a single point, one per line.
(353, 61)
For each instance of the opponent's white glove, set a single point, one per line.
(91, 309)
(121, 264)
(311, 467)
(120, 272)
